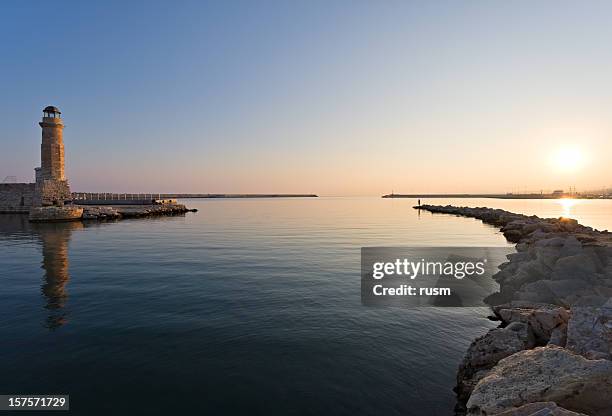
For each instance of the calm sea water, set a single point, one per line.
(246, 307)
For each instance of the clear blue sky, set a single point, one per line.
(332, 97)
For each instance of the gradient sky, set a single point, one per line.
(330, 97)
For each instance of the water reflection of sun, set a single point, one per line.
(566, 205)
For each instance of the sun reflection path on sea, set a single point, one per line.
(567, 204)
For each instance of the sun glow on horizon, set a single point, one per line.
(568, 159)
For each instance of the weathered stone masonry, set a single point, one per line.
(51, 192)
(16, 197)
(51, 185)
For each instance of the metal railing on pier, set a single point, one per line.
(105, 196)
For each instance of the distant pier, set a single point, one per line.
(503, 196)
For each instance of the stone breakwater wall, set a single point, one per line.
(136, 211)
(21, 197)
(99, 213)
(552, 352)
(16, 197)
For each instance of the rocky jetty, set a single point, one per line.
(74, 212)
(552, 353)
(112, 212)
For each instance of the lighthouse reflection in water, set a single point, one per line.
(55, 262)
(53, 241)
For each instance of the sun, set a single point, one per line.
(568, 159)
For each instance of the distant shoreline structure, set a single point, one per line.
(504, 196)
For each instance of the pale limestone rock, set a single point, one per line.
(545, 374)
(540, 409)
(487, 350)
(542, 318)
(589, 332)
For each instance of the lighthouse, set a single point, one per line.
(44, 199)
(51, 184)
(52, 146)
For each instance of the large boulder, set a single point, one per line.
(568, 224)
(545, 374)
(542, 226)
(558, 292)
(526, 271)
(539, 409)
(589, 332)
(584, 266)
(487, 350)
(541, 317)
(514, 236)
(547, 255)
(571, 247)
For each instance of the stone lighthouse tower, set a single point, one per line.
(52, 147)
(51, 184)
